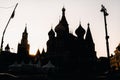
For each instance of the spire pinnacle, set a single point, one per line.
(25, 24)
(88, 24)
(63, 11)
(88, 37)
(79, 23)
(51, 26)
(25, 28)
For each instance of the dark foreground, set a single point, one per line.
(59, 76)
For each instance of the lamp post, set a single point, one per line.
(103, 9)
(12, 15)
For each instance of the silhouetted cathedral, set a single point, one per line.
(68, 51)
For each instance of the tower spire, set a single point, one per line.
(25, 31)
(63, 24)
(89, 35)
(63, 11)
(79, 22)
(88, 24)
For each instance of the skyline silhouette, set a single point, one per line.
(36, 16)
(68, 55)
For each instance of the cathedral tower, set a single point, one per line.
(62, 28)
(23, 47)
(89, 40)
(90, 46)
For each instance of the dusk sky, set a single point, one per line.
(40, 15)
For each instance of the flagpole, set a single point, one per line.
(12, 15)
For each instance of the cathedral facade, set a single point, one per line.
(68, 51)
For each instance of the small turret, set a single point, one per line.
(7, 48)
(63, 11)
(51, 33)
(38, 52)
(43, 51)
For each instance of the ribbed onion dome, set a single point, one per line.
(80, 31)
(51, 32)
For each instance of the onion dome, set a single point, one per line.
(63, 24)
(80, 31)
(51, 32)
